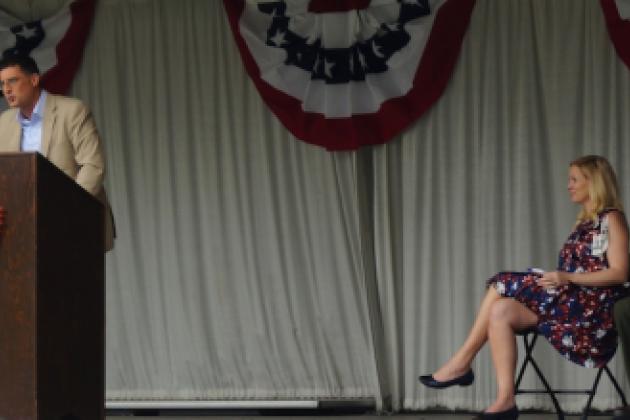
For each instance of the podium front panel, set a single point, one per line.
(51, 294)
(18, 277)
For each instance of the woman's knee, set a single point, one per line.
(501, 311)
(511, 312)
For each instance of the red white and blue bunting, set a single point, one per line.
(617, 15)
(346, 73)
(56, 43)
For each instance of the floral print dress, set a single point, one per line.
(577, 320)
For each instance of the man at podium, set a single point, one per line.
(60, 128)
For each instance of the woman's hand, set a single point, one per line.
(553, 279)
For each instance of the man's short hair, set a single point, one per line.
(24, 62)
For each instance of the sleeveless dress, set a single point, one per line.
(577, 320)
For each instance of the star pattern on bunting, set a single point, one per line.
(343, 74)
(341, 65)
(56, 42)
(27, 37)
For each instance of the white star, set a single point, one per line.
(278, 38)
(361, 59)
(27, 32)
(312, 38)
(316, 65)
(328, 68)
(377, 50)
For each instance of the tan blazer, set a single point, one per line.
(70, 141)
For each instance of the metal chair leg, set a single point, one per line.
(591, 394)
(616, 385)
(550, 391)
(529, 346)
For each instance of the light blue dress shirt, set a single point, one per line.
(32, 127)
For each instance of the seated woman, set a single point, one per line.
(572, 307)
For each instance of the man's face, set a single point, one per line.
(19, 89)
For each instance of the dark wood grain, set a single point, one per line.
(51, 294)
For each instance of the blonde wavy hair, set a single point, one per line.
(602, 190)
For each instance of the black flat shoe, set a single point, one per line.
(464, 380)
(510, 414)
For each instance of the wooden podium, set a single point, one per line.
(52, 297)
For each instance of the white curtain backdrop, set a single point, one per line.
(251, 265)
(238, 269)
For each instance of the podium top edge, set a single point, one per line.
(7, 154)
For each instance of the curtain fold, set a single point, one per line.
(251, 265)
(237, 270)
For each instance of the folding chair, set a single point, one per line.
(529, 340)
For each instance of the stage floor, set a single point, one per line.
(416, 416)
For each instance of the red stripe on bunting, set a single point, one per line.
(618, 29)
(70, 48)
(396, 114)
